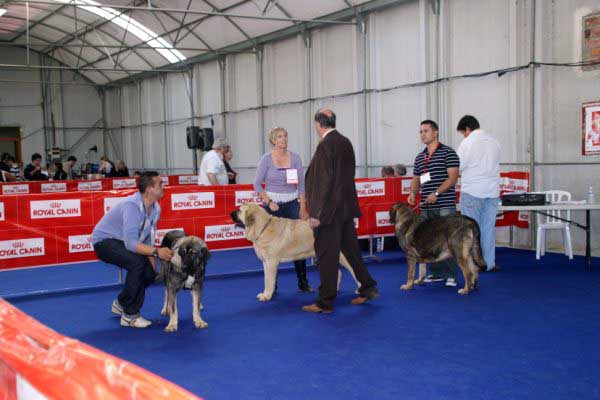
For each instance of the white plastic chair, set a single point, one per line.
(548, 222)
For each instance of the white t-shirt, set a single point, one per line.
(212, 163)
(479, 155)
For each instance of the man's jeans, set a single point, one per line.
(484, 212)
(446, 268)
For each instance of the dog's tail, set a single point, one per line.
(476, 248)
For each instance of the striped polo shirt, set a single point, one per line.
(437, 165)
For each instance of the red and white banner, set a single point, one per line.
(247, 197)
(54, 228)
(80, 243)
(371, 188)
(54, 187)
(19, 248)
(55, 208)
(89, 185)
(124, 183)
(18, 188)
(223, 232)
(188, 179)
(192, 201)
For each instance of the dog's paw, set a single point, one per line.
(406, 287)
(463, 291)
(200, 324)
(264, 296)
(171, 328)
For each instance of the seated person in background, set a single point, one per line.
(107, 167)
(399, 170)
(387, 171)
(33, 171)
(137, 174)
(231, 174)
(70, 167)
(121, 170)
(5, 163)
(15, 169)
(60, 174)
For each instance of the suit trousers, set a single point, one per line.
(330, 239)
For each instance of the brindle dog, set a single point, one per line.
(190, 256)
(437, 239)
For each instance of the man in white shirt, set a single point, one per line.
(212, 168)
(479, 155)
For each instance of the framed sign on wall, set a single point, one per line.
(591, 128)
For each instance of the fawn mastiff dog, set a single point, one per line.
(277, 240)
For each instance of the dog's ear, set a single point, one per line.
(393, 214)
(205, 253)
(250, 219)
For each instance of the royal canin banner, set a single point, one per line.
(15, 188)
(124, 183)
(64, 221)
(58, 208)
(247, 197)
(53, 187)
(19, 248)
(83, 186)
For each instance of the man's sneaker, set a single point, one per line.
(135, 321)
(451, 282)
(116, 307)
(431, 278)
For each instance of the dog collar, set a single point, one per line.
(261, 232)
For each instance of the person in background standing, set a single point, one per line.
(231, 174)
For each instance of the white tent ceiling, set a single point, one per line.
(108, 40)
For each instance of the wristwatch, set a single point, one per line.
(437, 194)
(155, 253)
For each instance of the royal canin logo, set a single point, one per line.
(55, 205)
(18, 245)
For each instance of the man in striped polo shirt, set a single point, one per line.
(434, 176)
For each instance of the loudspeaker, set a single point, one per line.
(207, 138)
(194, 139)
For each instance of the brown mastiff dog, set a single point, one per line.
(437, 239)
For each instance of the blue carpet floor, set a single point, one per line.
(530, 332)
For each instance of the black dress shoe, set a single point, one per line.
(496, 268)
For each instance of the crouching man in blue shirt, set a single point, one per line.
(124, 237)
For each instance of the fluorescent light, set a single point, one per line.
(3, 11)
(132, 26)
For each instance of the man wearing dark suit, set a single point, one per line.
(333, 204)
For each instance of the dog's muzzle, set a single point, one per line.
(235, 218)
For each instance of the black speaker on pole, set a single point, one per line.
(207, 138)
(194, 138)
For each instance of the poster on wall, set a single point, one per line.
(591, 129)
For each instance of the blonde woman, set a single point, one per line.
(283, 196)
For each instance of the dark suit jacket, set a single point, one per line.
(330, 188)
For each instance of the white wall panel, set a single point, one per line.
(152, 100)
(334, 64)
(285, 71)
(177, 96)
(478, 35)
(397, 46)
(207, 89)
(241, 82)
